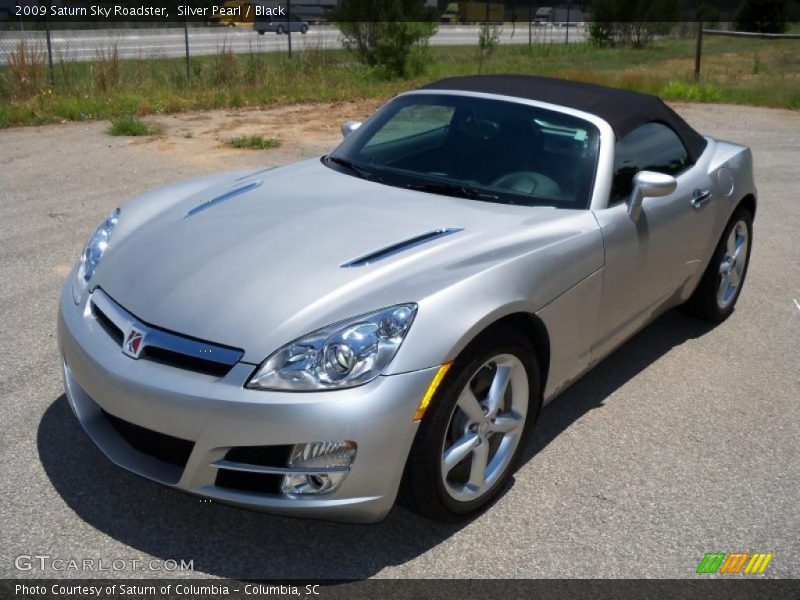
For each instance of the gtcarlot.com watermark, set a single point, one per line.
(55, 564)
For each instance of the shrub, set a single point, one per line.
(630, 22)
(254, 142)
(763, 16)
(390, 34)
(130, 125)
(489, 39)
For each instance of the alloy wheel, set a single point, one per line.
(485, 428)
(732, 265)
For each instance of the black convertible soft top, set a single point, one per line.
(623, 110)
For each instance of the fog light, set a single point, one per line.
(312, 483)
(333, 459)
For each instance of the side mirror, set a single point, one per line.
(349, 127)
(649, 184)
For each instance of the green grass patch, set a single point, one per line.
(254, 142)
(739, 71)
(130, 125)
(693, 92)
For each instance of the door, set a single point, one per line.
(648, 261)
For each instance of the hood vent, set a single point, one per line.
(401, 246)
(222, 197)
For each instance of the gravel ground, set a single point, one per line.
(684, 441)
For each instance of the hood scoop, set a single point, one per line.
(242, 189)
(400, 246)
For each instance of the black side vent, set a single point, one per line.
(172, 450)
(253, 481)
(259, 483)
(262, 456)
(401, 246)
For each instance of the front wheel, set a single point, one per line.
(279, 30)
(470, 439)
(719, 289)
(304, 29)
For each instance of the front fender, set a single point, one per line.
(528, 280)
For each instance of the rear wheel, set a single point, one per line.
(304, 29)
(719, 289)
(279, 30)
(471, 436)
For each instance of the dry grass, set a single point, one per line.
(760, 72)
(27, 68)
(225, 67)
(108, 70)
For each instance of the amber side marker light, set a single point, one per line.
(426, 399)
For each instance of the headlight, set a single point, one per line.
(343, 355)
(93, 254)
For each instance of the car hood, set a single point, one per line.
(255, 262)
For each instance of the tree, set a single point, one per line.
(633, 22)
(763, 16)
(390, 34)
(488, 40)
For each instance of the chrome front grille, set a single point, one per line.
(140, 340)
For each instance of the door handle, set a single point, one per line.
(699, 198)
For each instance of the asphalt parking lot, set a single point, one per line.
(684, 441)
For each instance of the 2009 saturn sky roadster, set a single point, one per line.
(390, 318)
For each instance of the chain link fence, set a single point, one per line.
(68, 73)
(65, 45)
(73, 45)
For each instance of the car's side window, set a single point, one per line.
(650, 147)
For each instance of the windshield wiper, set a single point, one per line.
(446, 189)
(356, 168)
(453, 189)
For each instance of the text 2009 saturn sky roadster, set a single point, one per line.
(387, 321)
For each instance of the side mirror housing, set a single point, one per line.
(349, 127)
(649, 184)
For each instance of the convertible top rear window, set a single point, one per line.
(478, 148)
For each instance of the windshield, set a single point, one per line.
(476, 148)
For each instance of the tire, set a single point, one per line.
(304, 29)
(279, 30)
(710, 301)
(446, 494)
(261, 32)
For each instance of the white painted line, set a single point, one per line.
(797, 304)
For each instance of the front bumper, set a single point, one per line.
(216, 414)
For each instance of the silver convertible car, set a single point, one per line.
(387, 321)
